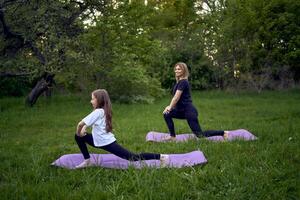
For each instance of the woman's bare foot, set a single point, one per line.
(169, 138)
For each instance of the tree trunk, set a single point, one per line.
(43, 85)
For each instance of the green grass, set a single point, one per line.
(269, 168)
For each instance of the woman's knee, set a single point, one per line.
(198, 134)
(167, 115)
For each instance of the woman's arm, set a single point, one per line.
(81, 128)
(174, 101)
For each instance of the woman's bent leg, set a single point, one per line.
(191, 116)
(169, 120)
(195, 126)
(170, 124)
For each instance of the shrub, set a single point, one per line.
(130, 83)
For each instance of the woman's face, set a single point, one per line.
(94, 102)
(178, 71)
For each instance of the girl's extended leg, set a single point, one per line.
(118, 150)
(81, 141)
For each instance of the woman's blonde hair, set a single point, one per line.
(185, 70)
(103, 101)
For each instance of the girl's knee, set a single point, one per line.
(77, 137)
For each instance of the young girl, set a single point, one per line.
(102, 136)
(181, 106)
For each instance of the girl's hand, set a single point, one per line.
(82, 134)
(167, 110)
(83, 131)
(81, 127)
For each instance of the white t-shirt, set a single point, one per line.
(100, 136)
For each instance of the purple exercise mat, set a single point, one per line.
(111, 161)
(240, 134)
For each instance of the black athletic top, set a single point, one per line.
(185, 98)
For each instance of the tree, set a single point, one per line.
(36, 35)
(179, 26)
(254, 40)
(123, 53)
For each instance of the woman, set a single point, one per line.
(181, 106)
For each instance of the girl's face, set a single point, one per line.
(94, 101)
(178, 71)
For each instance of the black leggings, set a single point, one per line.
(191, 115)
(113, 148)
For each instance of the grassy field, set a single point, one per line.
(269, 168)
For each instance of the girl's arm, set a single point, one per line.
(174, 101)
(81, 128)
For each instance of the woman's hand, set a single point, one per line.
(167, 110)
(174, 101)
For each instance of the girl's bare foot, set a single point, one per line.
(226, 135)
(85, 163)
(164, 160)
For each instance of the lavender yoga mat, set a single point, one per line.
(240, 134)
(69, 161)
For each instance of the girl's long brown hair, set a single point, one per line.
(103, 101)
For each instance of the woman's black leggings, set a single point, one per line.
(191, 115)
(113, 148)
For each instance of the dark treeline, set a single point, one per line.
(129, 47)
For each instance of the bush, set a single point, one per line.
(130, 83)
(14, 86)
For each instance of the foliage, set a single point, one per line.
(224, 43)
(14, 86)
(256, 38)
(180, 30)
(122, 56)
(128, 83)
(35, 36)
